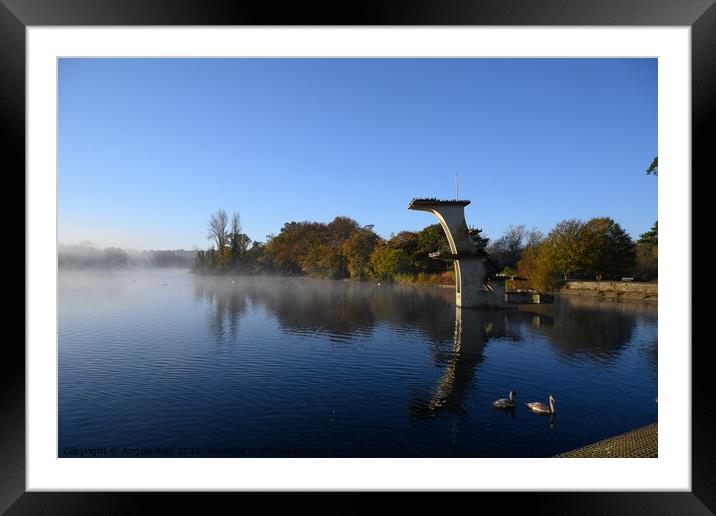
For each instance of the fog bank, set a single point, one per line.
(86, 255)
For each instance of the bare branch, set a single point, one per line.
(217, 228)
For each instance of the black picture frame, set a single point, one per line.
(16, 15)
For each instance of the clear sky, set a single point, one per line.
(150, 148)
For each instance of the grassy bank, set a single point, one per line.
(445, 278)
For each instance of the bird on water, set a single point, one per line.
(506, 403)
(541, 408)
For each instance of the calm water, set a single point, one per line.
(162, 363)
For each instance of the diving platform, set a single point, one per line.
(474, 288)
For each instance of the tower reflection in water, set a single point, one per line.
(473, 330)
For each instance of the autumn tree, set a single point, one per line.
(536, 266)
(563, 247)
(323, 259)
(340, 228)
(405, 240)
(357, 249)
(324, 254)
(287, 250)
(335, 262)
(338, 249)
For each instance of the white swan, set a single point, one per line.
(541, 408)
(504, 403)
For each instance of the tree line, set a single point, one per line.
(596, 249)
(343, 249)
(340, 249)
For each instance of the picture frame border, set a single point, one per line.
(17, 15)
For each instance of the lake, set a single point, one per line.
(162, 363)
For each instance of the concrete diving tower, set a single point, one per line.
(471, 283)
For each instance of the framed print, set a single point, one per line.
(252, 263)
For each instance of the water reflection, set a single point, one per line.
(473, 330)
(340, 311)
(227, 304)
(589, 327)
(362, 369)
(456, 338)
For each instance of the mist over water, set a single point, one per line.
(86, 255)
(272, 366)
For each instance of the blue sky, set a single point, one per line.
(150, 148)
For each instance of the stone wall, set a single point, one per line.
(613, 290)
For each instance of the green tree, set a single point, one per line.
(480, 241)
(430, 239)
(650, 239)
(646, 264)
(647, 254)
(387, 262)
(607, 251)
(654, 167)
(407, 242)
